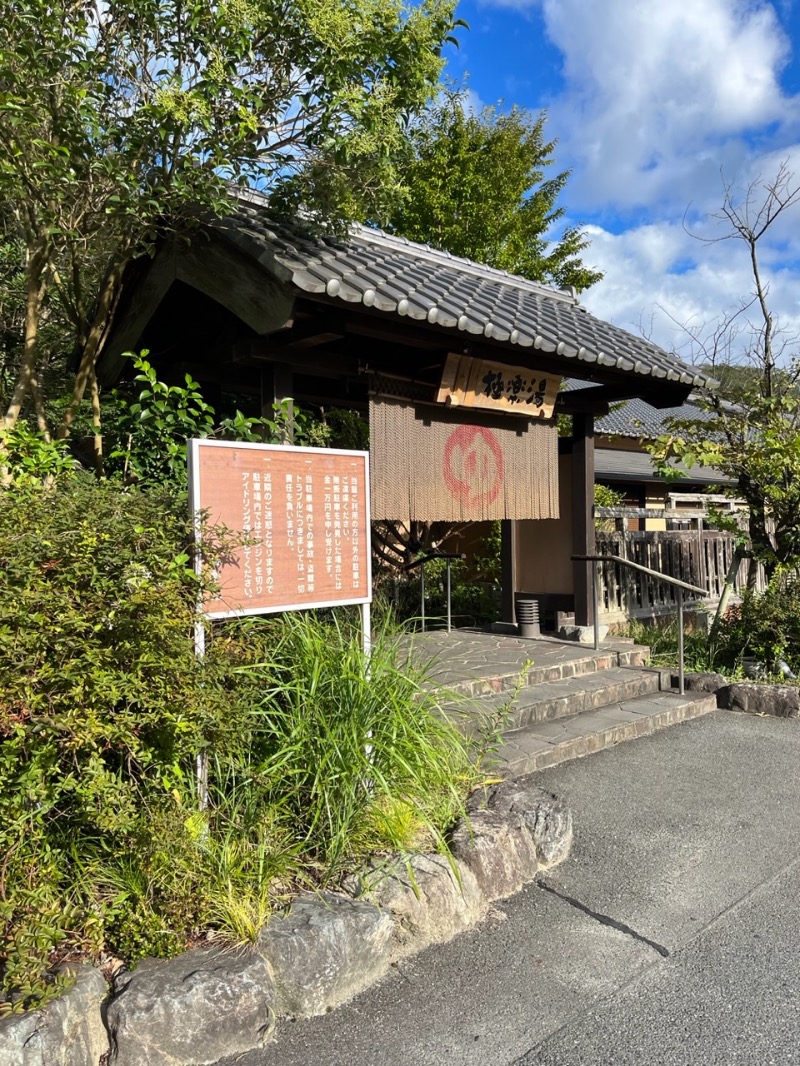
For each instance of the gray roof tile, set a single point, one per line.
(636, 418)
(398, 276)
(612, 464)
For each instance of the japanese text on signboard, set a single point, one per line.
(468, 382)
(304, 517)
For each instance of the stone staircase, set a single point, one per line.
(565, 701)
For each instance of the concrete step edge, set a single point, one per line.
(550, 701)
(599, 734)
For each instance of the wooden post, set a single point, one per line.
(508, 565)
(276, 386)
(583, 514)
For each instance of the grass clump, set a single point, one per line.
(353, 755)
(701, 652)
(763, 626)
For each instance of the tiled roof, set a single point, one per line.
(613, 464)
(399, 277)
(636, 418)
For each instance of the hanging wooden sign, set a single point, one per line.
(493, 386)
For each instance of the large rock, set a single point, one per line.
(702, 682)
(499, 853)
(68, 1032)
(325, 951)
(195, 1009)
(546, 818)
(583, 634)
(429, 900)
(783, 701)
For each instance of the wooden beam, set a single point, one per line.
(508, 564)
(315, 363)
(583, 515)
(144, 288)
(307, 333)
(574, 402)
(233, 280)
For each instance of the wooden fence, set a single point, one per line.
(701, 557)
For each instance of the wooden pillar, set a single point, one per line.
(508, 568)
(583, 515)
(277, 386)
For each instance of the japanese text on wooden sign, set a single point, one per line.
(305, 515)
(469, 382)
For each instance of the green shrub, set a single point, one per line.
(764, 625)
(315, 763)
(102, 702)
(29, 459)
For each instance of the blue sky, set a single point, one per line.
(651, 101)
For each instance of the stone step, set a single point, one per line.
(546, 664)
(548, 743)
(554, 699)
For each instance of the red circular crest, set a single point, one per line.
(473, 466)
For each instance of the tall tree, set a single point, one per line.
(126, 119)
(479, 187)
(754, 440)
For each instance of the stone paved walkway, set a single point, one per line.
(468, 655)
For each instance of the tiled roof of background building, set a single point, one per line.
(636, 418)
(612, 464)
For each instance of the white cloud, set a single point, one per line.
(661, 282)
(658, 94)
(471, 102)
(659, 100)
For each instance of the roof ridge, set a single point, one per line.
(376, 235)
(472, 267)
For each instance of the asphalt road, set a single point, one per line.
(671, 937)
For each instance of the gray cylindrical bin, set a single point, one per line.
(528, 618)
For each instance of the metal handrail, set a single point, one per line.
(423, 559)
(681, 586)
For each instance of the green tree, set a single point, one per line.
(755, 437)
(478, 187)
(122, 121)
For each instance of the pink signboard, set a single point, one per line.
(305, 512)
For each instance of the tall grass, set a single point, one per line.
(701, 651)
(352, 753)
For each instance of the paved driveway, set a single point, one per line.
(671, 936)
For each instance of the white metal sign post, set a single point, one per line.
(305, 515)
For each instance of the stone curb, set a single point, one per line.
(208, 1003)
(781, 701)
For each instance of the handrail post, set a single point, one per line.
(422, 594)
(681, 686)
(449, 616)
(595, 605)
(681, 587)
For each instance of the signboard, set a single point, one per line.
(305, 512)
(483, 383)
